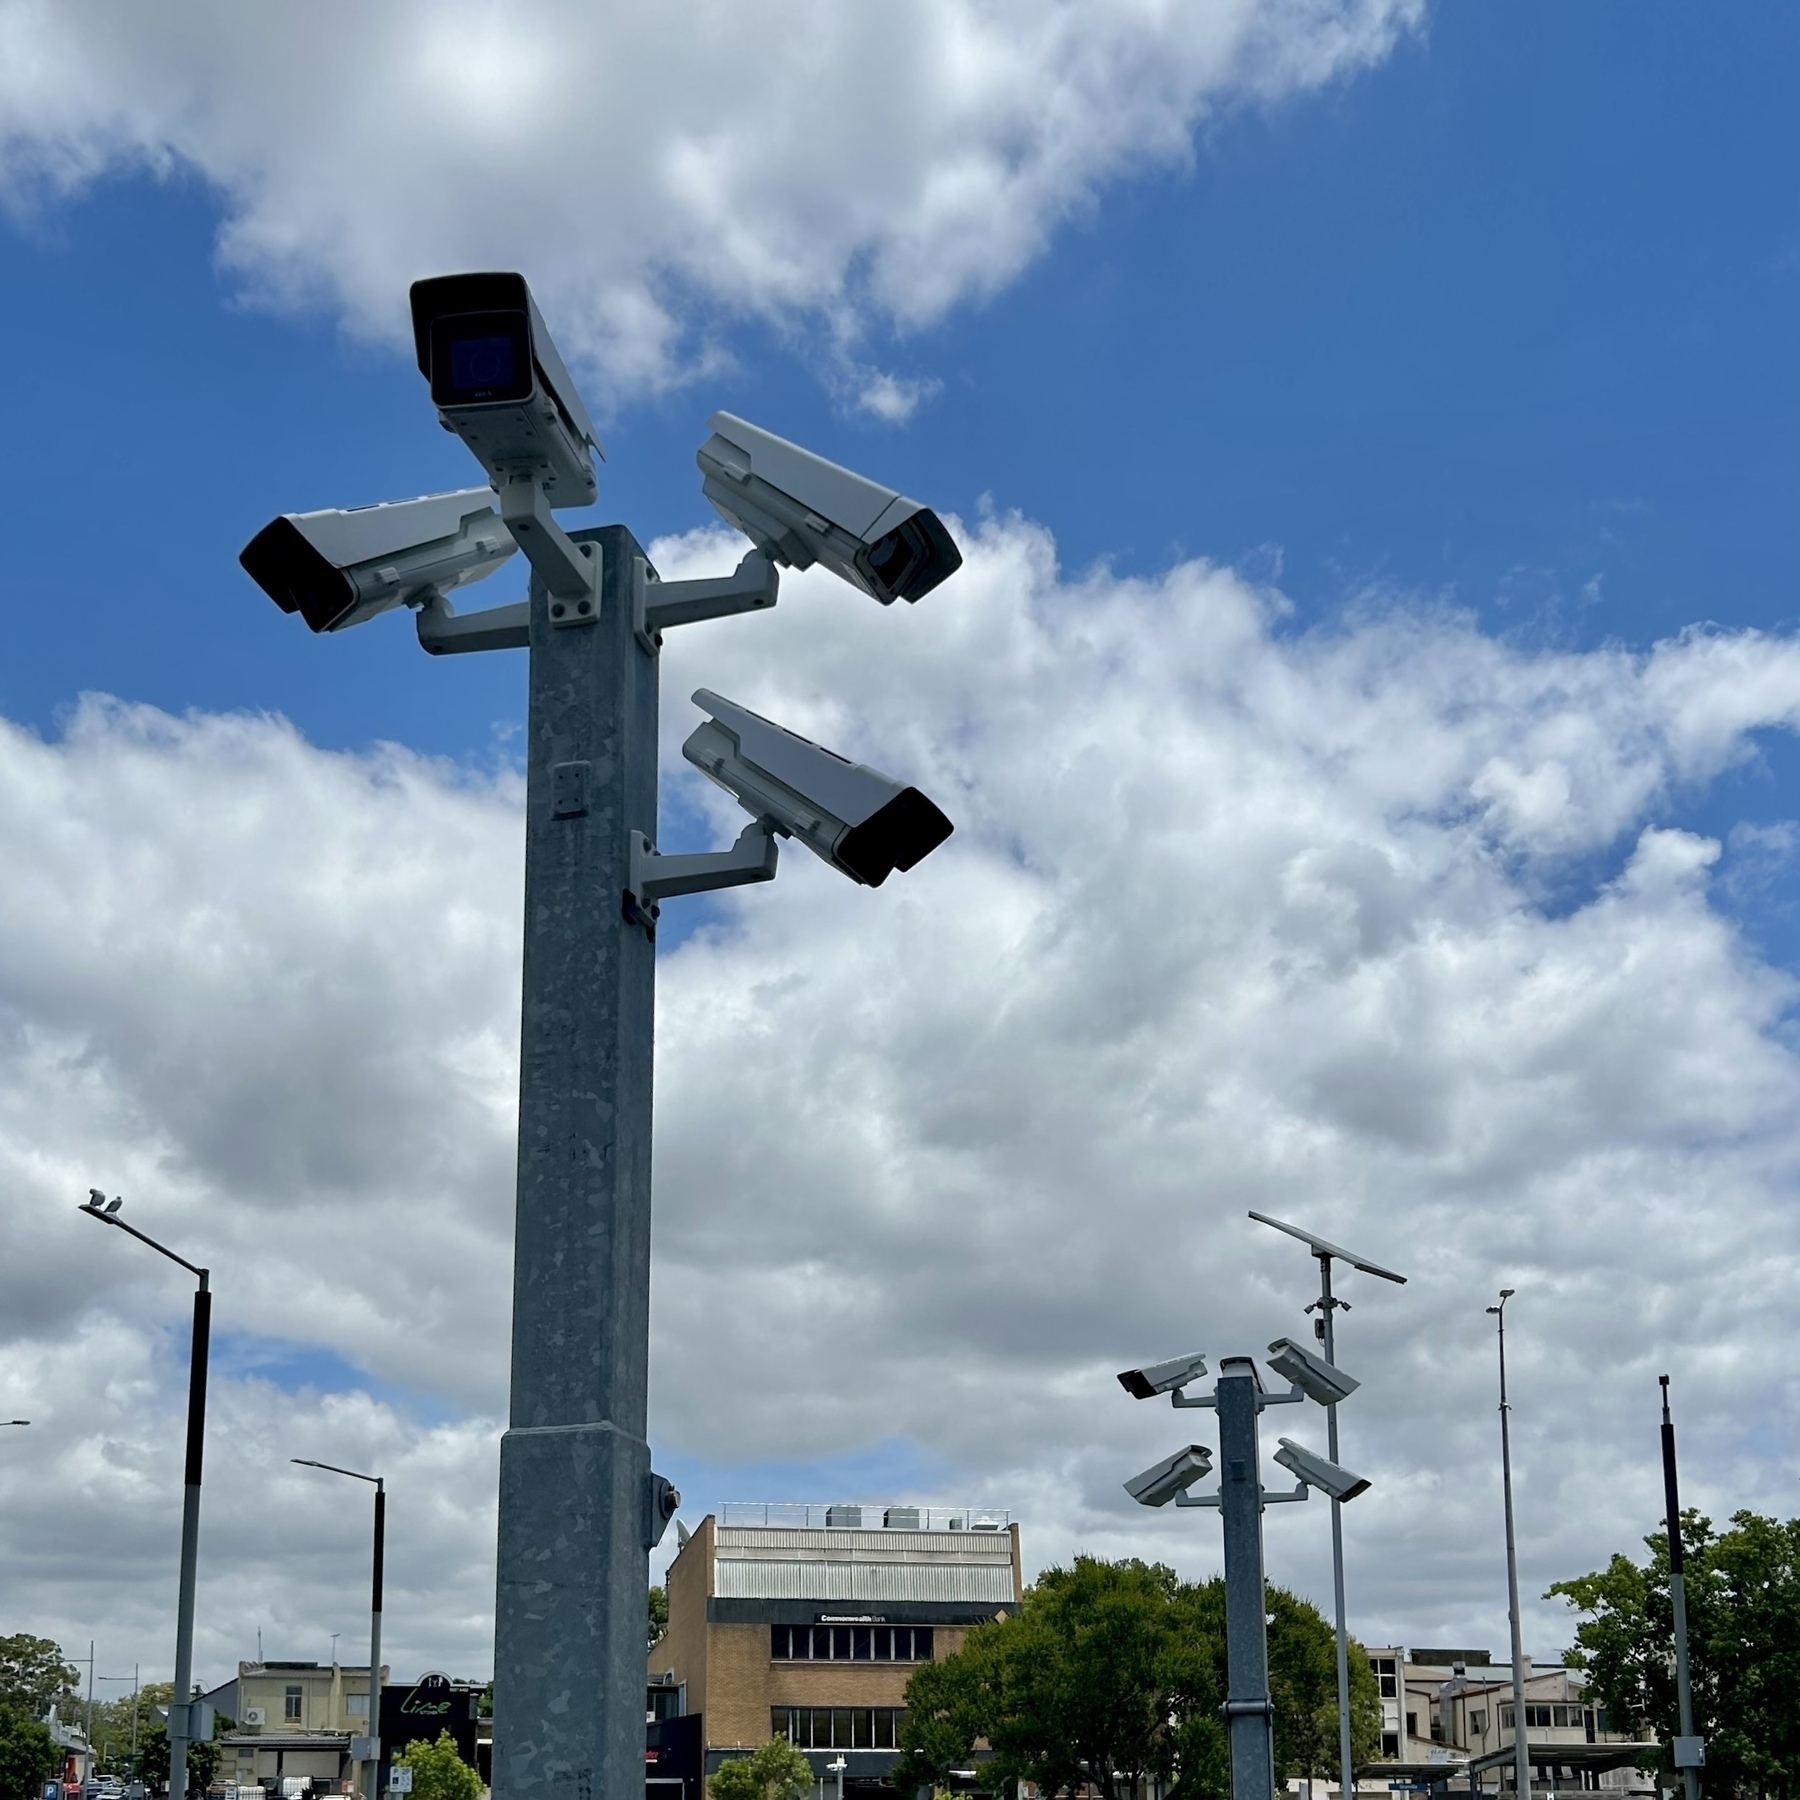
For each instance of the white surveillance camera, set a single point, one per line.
(1173, 1475)
(801, 509)
(864, 823)
(499, 384)
(1160, 1378)
(1312, 1375)
(337, 568)
(1317, 1472)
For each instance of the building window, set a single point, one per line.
(838, 1727)
(1412, 1724)
(1387, 1676)
(850, 1643)
(1566, 1716)
(290, 1704)
(1537, 1718)
(1390, 1747)
(357, 1705)
(1478, 1724)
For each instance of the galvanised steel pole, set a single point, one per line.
(1684, 1692)
(1347, 1772)
(573, 1575)
(1249, 1716)
(1521, 1749)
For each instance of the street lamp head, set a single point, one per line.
(1507, 1293)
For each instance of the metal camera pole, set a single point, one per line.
(1688, 1750)
(1521, 1748)
(580, 1509)
(181, 1703)
(1249, 1713)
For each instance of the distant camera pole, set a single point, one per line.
(133, 1679)
(181, 1702)
(1521, 1748)
(371, 1763)
(580, 1507)
(1690, 1750)
(1238, 1397)
(1328, 1306)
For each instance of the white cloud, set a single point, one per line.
(653, 168)
(1390, 928)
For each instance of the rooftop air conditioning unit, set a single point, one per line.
(844, 1516)
(901, 1518)
(253, 1715)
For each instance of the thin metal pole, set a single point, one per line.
(1249, 1716)
(180, 1711)
(1347, 1773)
(88, 1729)
(1521, 1750)
(134, 1719)
(374, 1718)
(1684, 1693)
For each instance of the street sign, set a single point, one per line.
(400, 1781)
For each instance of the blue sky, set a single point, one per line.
(1503, 320)
(1509, 320)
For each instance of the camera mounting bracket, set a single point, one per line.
(655, 877)
(750, 587)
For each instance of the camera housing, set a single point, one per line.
(1158, 1485)
(1312, 1375)
(500, 385)
(339, 567)
(1162, 1377)
(1319, 1472)
(802, 509)
(865, 824)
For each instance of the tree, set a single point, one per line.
(27, 1756)
(33, 1674)
(1743, 1605)
(659, 1613)
(439, 1772)
(1111, 1672)
(775, 1772)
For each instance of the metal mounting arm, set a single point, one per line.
(569, 570)
(655, 878)
(750, 587)
(1268, 1499)
(443, 633)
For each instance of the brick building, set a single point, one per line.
(806, 1622)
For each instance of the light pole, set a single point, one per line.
(1689, 1750)
(180, 1704)
(133, 1679)
(1521, 1749)
(373, 1762)
(1328, 1305)
(15, 1421)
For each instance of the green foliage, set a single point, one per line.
(33, 1675)
(659, 1612)
(1114, 1672)
(27, 1756)
(775, 1772)
(439, 1772)
(1743, 1607)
